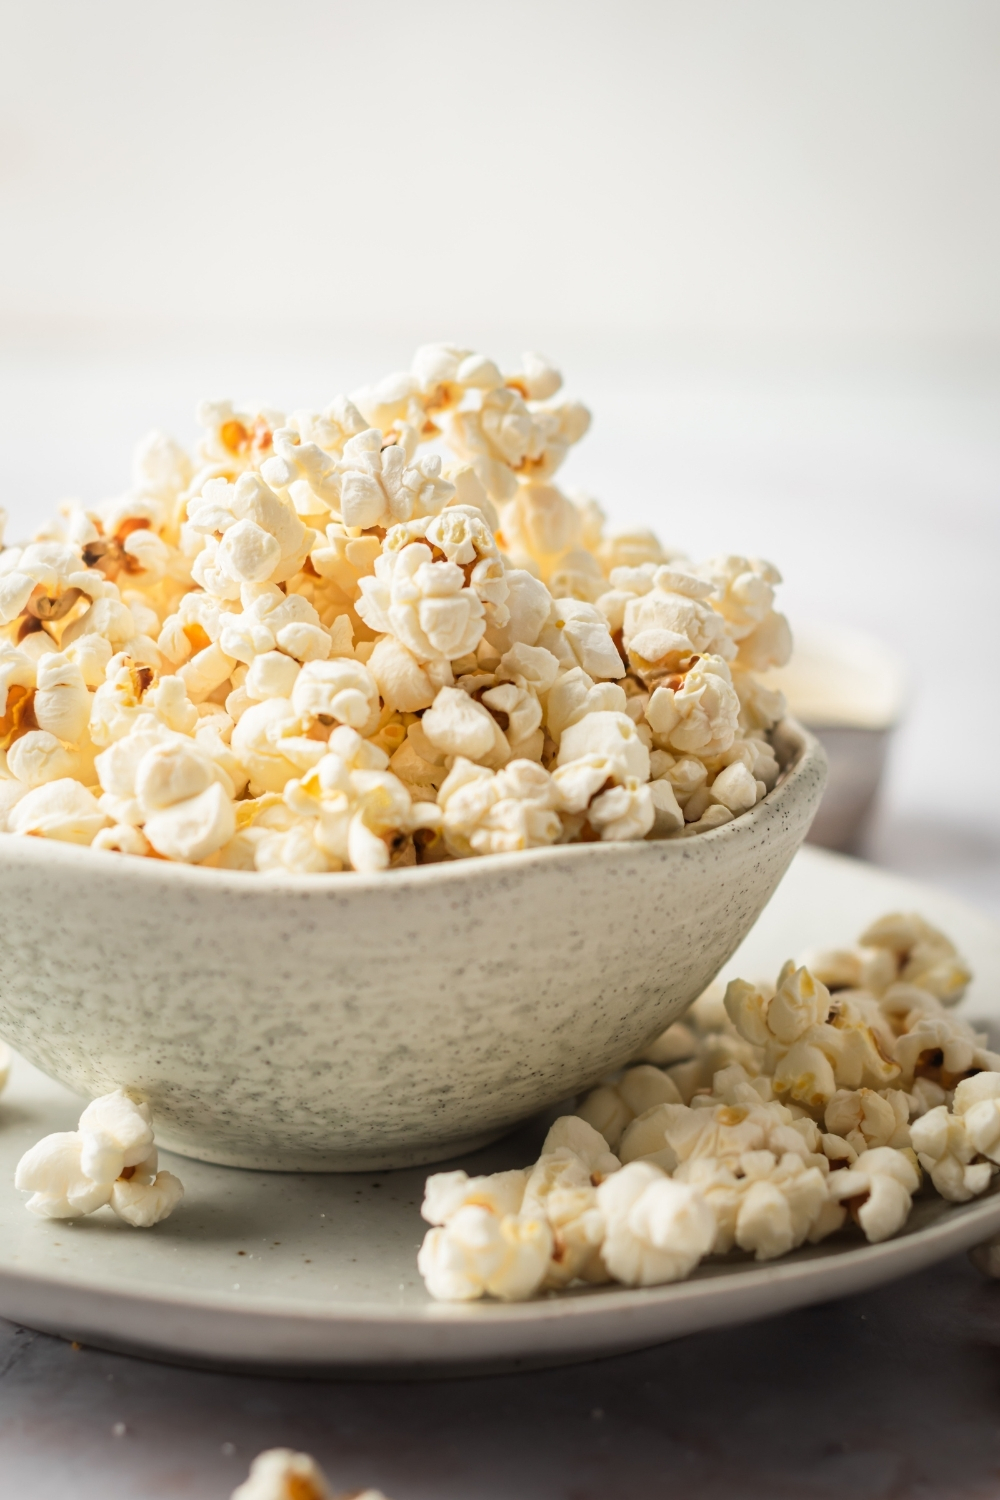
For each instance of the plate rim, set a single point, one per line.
(552, 1307)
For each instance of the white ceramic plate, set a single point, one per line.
(309, 1273)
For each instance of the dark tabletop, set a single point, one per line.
(892, 1394)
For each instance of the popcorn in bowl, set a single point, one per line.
(374, 636)
(772, 1116)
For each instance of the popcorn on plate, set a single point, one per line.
(375, 635)
(771, 1116)
(110, 1158)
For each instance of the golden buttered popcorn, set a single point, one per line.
(373, 636)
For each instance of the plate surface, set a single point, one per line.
(315, 1272)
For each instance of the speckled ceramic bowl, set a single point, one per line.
(347, 1022)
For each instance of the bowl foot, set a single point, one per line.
(284, 1158)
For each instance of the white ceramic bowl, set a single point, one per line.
(348, 1022)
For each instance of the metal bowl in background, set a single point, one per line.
(849, 688)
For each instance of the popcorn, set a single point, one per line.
(765, 1203)
(381, 486)
(612, 738)
(38, 757)
(504, 438)
(110, 1158)
(657, 1229)
(269, 744)
(341, 691)
(871, 969)
(363, 815)
(575, 695)
(172, 788)
(879, 1187)
(458, 726)
(577, 635)
(529, 605)
(424, 604)
(924, 956)
(700, 716)
(718, 1129)
(623, 812)
(491, 813)
(61, 703)
(931, 1043)
(867, 1119)
(402, 682)
(977, 1102)
(815, 1045)
(514, 1233)
(271, 675)
(531, 679)
(569, 1133)
(479, 1252)
(272, 621)
(673, 615)
(611, 1107)
(712, 1158)
(281, 1474)
(60, 809)
(561, 1190)
(192, 829)
(960, 1150)
(736, 789)
(708, 1147)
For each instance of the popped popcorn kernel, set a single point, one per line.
(282, 1474)
(110, 1158)
(657, 1229)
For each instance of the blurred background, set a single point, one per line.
(760, 239)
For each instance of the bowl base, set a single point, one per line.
(281, 1159)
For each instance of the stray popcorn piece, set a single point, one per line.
(110, 1158)
(283, 1474)
(173, 657)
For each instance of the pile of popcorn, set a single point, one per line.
(773, 1115)
(373, 636)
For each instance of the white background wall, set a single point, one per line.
(761, 236)
(772, 166)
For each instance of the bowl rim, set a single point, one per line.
(807, 754)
